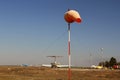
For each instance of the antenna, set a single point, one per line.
(101, 55)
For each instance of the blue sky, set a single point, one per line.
(30, 30)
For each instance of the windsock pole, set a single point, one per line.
(69, 56)
(70, 17)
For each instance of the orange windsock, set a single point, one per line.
(72, 16)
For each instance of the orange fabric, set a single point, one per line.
(72, 16)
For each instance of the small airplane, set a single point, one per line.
(24, 65)
(96, 67)
(54, 64)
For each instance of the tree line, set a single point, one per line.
(110, 63)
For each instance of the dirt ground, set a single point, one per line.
(40, 73)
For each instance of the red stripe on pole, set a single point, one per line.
(69, 74)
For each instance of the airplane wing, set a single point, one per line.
(60, 66)
(46, 65)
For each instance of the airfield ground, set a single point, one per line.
(40, 73)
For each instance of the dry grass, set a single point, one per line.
(40, 73)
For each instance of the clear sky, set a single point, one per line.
(30, 30)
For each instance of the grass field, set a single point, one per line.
(40, 73)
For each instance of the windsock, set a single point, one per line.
(72, 16)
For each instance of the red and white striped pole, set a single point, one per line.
(70, 17)
(69, 56)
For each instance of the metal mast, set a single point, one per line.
(69, 55)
